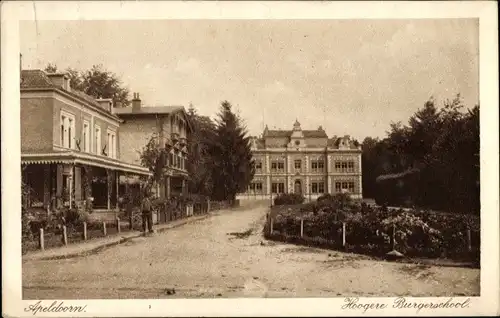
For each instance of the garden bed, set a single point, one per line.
(373, 230)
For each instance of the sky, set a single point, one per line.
(352, 77)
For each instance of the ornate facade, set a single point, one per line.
(306, 162)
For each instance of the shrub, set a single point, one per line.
(289, 199)
(325, 197)
(369, 229)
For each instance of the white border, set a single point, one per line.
(12, 12)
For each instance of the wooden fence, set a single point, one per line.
(133, 221)
(296, 232)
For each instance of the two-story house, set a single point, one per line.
(70, 144)
(307, 162)
(170, 124)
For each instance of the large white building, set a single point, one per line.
(306, 162)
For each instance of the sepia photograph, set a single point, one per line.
(251, 158)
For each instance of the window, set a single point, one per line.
(344, 166)
(71, 130)
(278, 166)
(318, 187)
(63, 131)
(317, 165)
(321, 187)
(258, 165)
(314, 187)
(111, 144)
(255, 187)
(350, 166)
(98, 149)
(321, 165)
(278, 187)
(86, 137)
(338, 187)
(298, 164)
(344, 186)
(67, 130)
(351, 187)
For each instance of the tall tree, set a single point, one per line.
(231, 151)
(443, 143)
(97, 82)
(200, 164)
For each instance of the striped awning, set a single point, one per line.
(71, 157)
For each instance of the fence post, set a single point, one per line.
(131, 221)
(302, 227)
(393, 237)
(343, 235)
(469, 240)
(271, 225)
(118, 226)
(42, 240)
(84, 231)
(65, 235)
(104, 228)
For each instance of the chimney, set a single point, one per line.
(106, 103)
(136, 103)
(61, 80)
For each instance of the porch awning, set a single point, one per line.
(71, 157)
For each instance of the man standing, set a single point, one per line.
(147, 213)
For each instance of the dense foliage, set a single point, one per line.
(233, 166)
(442, 144)
(97, 82)
(420, 233)
(200, 164)
(154, 156)
(289, 198)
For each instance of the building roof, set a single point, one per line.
(148, 110)
(35, 79)
(288, 133)
(152, 110)
(38, 79)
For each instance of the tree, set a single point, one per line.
(232, 156)
(443, 144)
(154, 156)
(200, 164)
(97, 82)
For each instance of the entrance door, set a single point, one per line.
(297, 187)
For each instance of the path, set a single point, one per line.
(226, 256)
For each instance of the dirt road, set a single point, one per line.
(226, 256)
